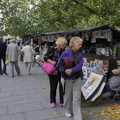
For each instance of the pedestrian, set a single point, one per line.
(28, 56)
(37, 52)
(113, 83)
(36, 48)
(52, 56)
(12, 54)
(3, 47)
(72, 73)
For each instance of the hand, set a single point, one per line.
(53, 62)
(68, 72)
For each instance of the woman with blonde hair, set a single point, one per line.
(52, 56)
(72, 73)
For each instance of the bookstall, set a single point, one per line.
(101, 47)
(95, 71)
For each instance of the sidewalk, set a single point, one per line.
(26, 97)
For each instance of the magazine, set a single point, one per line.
(91, 85)
(102, 51)
(99, 51)
(86, 63)
(84, 69)
(98, 93)
(88, 71)
(101, 66)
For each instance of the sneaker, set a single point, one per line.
(61, 105)
(68, 114)
(52, 104)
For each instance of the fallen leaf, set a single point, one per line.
(19, 102)
(55, 113)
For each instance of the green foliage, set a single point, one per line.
(33, 16)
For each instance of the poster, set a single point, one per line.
(91, 85)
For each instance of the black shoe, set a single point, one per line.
(18, 73)
(1, 73)
(111, 97)
(5, 73)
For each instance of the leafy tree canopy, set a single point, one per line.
(33, 16)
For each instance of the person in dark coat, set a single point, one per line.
(2, 57)
(52, 56)
(37, 52)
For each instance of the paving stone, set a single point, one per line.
(62, 118)
(5, 94)
(38, 95)
(4, 89)
(3, 110)
(8, 103)
(4, 85)
(4, 99)
(24, 107)
(45, 114)
(23, 92)
(12, 117)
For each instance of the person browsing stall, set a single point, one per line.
(52, 56)
(72, 73)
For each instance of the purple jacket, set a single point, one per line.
(76, 68)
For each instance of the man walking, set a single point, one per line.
(2, 57)
(12, 55)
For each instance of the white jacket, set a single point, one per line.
(28, 53)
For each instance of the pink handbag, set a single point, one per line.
(49, 68)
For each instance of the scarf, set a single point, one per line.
(76, 57)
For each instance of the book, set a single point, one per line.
(102, 51)
(101, 66)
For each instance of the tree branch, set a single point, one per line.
(78, 2)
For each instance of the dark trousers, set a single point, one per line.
(54, 80)
(4, 65)
(108, 89)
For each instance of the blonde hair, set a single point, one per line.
(74, 39)
(61, 40)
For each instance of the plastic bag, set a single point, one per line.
(6, 61)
